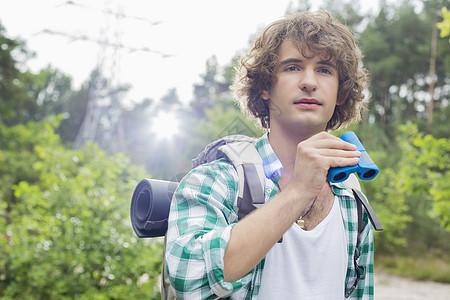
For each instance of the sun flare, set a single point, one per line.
(165, 125)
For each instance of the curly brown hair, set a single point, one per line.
(312, 33)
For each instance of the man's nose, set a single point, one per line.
(308, 81)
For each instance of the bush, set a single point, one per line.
(65, 223)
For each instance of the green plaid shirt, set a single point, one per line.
(202, 214)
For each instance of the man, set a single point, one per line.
(301, 78)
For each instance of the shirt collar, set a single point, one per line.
(271, 164)
(335, 186)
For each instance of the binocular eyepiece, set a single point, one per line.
(366, 168)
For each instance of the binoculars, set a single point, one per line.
(366, 168)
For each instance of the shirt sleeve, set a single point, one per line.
(202, 214)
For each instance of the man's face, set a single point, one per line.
(304, 93)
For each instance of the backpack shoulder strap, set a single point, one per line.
(352, 185)
(248, 164)
(240, 151)
(167, 292)
(211, 151)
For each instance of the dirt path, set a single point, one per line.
(391, 287)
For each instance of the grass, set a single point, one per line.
(426, 267)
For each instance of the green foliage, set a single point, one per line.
(396, 44)
(14, 96)
(207, 92)
(384, 192)
(65, 223)
(432, 158)
(346, 11)
(64, 213)
(26, 96)
(411, 193)
(444, 25)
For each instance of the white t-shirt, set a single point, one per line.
(308, 264)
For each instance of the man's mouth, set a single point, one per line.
(307, 103)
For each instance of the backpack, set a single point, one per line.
(150, 203)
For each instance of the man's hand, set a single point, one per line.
(315, 156)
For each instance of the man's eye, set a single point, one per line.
(325, 71)
(292, 68)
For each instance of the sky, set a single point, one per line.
(165, 43)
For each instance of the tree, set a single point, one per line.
(73, 110)
(65, 224)
(432, 158)
(170, 99)
(396, 44)
(51, 91)
(207, 92)
(410, 195)
(26, 96)
(348, 12)
(16, 104)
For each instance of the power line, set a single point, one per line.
(101, 42)
(107, 11)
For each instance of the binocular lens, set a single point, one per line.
(339, 176)
(369, 174)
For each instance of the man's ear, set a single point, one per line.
(265, 95)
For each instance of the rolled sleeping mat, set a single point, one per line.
(150, 205)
